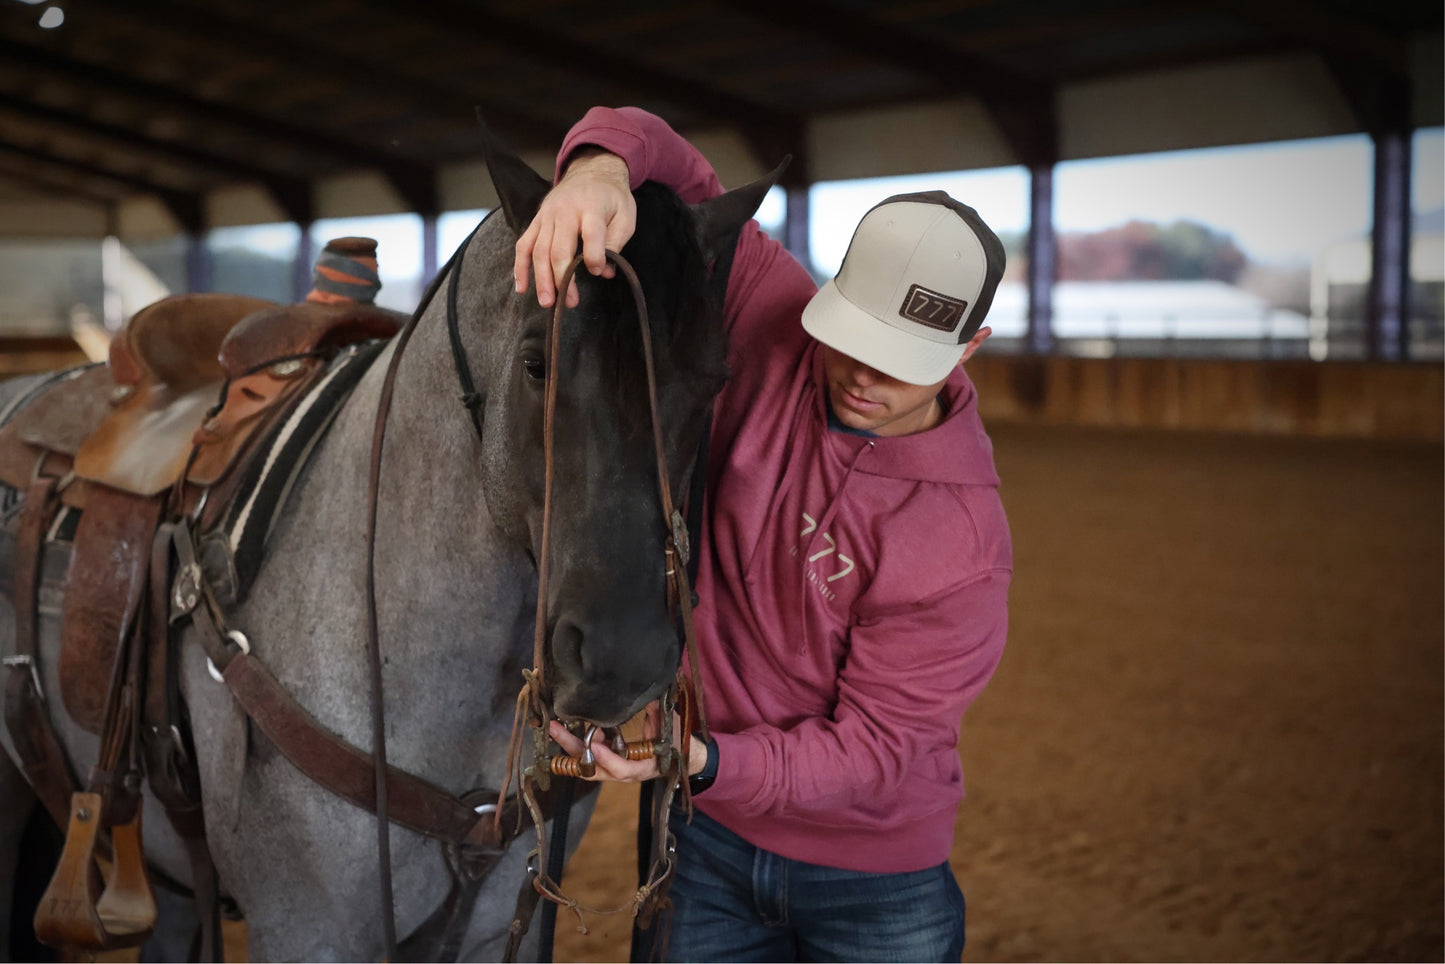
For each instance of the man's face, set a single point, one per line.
(866, 399)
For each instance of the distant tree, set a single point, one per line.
(1193, 251)
(1145, 251)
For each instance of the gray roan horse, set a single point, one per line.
(457, 539)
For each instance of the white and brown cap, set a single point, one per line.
(915, 285)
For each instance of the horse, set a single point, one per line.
(458, 532)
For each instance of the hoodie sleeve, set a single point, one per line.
(767, 286)
(903, 687)
(652, 149)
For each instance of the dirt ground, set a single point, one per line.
(1217, 730)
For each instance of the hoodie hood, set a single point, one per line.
(957, 451)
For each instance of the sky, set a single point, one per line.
(1280, 202)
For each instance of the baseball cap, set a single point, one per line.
(915, 285)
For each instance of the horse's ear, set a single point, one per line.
(520, 188)
(722, 217)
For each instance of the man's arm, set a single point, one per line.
(603, 158)
(905, 683)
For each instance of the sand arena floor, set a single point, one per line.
(1217, 731)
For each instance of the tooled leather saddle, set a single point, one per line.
(177, 423)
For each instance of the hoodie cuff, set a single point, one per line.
(610, 130)
(738, 771)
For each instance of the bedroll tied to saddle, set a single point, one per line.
(206, 401)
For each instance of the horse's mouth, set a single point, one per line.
(589, 704)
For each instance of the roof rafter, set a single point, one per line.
(1370, 65)
(54, 182)
(204, 24)
(187, 207)
(1326, 31)
(293, 194)
(414, 181)
(1022, 107)
(767, 128)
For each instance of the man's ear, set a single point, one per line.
(974, 343)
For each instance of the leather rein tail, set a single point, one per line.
(378, 705)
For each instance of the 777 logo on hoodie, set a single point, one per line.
(844, 564)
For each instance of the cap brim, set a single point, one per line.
(838, 323)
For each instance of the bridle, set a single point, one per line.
(677, 549)
(533, 700)
(683, 695)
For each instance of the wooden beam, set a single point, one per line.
(1380, 100)
(587, 61)
(57, 184)
(205, 24)
(1186, 55)
(1025, 29)
(293, 194)
(415, 182)
(1010, 98)
(1321, 28)
(187, 207)
(770, 144)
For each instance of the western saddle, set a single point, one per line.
(133, 460)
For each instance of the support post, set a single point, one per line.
(795, 224)
(1042, 260)
(301, 266)
(1387, 313)
(198, 263)
(429, 244)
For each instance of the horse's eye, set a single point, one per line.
(535, 365)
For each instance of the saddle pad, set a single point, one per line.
(57, 419)
(142, 447)
(111, 553)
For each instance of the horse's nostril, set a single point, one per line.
(567, 647)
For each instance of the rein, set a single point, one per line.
(533, 696)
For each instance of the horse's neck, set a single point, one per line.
(453, 603)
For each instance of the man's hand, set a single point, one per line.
(594, 201)
(616, 769)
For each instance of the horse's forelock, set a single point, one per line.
(688, 342)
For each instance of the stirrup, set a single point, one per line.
(69, 915)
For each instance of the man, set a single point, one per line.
(854, 570)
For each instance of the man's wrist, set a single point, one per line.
(591, 159)
(703, 777)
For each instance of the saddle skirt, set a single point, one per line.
(167, 377)
(163, 427)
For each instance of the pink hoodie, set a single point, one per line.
(853, 590)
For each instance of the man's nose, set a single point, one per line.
(864, 374)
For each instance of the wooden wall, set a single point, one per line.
(1343, 399)
(1353, 399)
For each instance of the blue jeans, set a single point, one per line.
(736, 902)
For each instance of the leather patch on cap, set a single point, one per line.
(932, 308)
